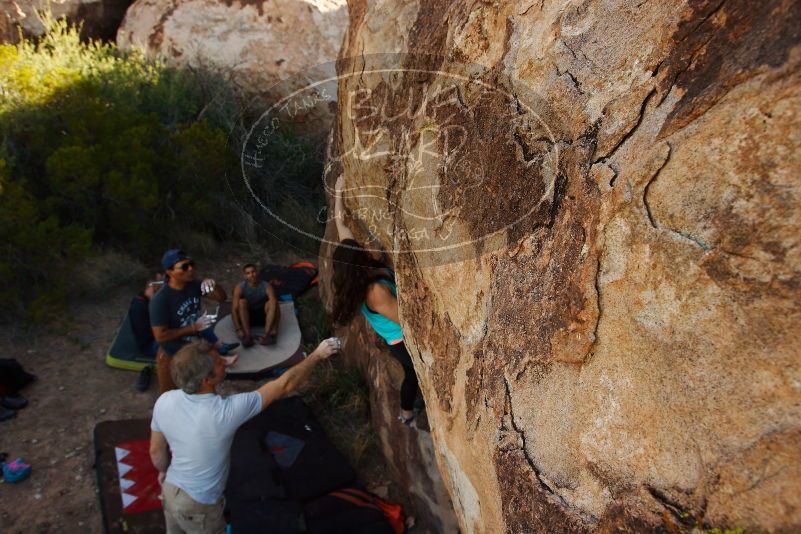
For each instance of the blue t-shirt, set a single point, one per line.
(200, 430)
(176, 309)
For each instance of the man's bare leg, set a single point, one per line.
(273, 315)
(244, 317)
(243, 326)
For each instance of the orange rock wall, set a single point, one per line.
(626, 356)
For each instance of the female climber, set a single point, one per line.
(364, 284)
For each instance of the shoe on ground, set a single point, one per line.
(225, 348)
(14, 402)
(6, 414)
(269, 339)
(143, 382)
(247, 341)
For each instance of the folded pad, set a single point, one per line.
(319, 468)
(260, 360)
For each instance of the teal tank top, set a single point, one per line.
(386, 328)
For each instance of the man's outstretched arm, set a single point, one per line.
(293, 378)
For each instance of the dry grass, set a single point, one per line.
(340, 399)
(313, 318)
(105, 271)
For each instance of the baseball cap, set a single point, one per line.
(173, 256)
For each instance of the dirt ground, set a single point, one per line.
(75, 391)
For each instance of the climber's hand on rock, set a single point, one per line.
(328, 347)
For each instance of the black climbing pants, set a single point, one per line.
(410, 387)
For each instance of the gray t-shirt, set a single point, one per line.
(256, 296)
(200, 430)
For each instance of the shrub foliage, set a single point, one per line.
(99, 148)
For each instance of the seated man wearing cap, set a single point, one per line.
(175, 312)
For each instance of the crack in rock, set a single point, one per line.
(681, 514)
(600, 310)
(684, 235)
(648, 185)
(631, 131)
(508, 410)
(574, 81)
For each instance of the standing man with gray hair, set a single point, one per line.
(193, 427)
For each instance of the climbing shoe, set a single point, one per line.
(247, 341)
(14, 402)
(143, 382)
(268, 339)
(6, 414)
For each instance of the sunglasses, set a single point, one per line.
(185, 266)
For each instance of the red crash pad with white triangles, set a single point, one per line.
(127, 481)
(139, 485)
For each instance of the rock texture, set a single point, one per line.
(100, 18)
(623, 357)
(409, 451)
(256, 44)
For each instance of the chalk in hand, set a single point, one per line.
(207, 286)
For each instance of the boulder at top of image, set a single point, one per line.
(253, 44)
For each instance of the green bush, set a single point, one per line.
(101, 148)
(104, 150)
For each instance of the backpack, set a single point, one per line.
(392, 512)
(292, 280)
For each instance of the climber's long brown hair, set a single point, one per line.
(352, 275)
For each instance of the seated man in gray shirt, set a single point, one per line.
(255, 303)
(193, 427)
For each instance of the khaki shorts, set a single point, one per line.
(183, 514)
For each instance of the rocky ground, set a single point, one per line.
(75, 391)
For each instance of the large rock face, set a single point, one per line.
(409, 451)
(100, 18)
(613, 345)
(256, 44)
